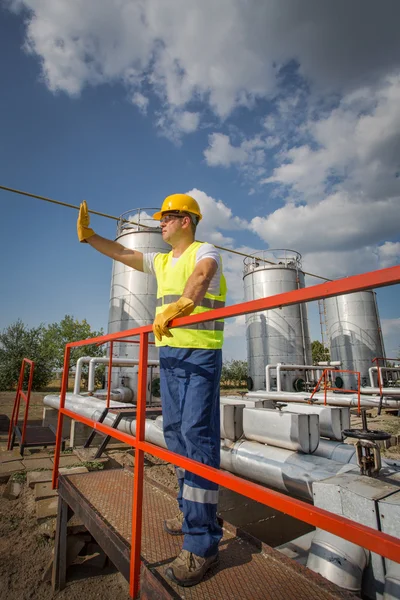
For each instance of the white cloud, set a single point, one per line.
(389, 254)
(173, 122)
(220, 151)
(226, 53)
(140, 101)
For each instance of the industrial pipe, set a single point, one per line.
(78, 372)
(283, 367)
(371, 370)
(319, 398)
(118, 362)
(338, 560)
(281, 469)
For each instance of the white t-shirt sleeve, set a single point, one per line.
(210, 251)
(148, 262)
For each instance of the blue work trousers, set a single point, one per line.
(190, 379)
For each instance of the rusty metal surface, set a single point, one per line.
(245, 571)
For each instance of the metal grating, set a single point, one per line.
(37, 436)
(244, 571)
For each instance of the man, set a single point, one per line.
(189, 281)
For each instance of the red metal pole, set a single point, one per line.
(15, 413)
(134, 576)
(28, 397)
(64, 387)
(109, 374)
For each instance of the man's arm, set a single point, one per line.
(199, 281)
(108, 247)
(117, 251)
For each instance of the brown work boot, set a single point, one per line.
(174, 526)
(189, 569)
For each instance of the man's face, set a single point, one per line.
(171, 226)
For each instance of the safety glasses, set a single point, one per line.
(170, 217)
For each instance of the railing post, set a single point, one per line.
(136, 539)
(15, 412)
(64, 387)
(359, 392)
(325, 384)
(109, 374)
(27, 400)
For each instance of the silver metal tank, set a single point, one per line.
(354, 333)
(279, 335)
(133, 294)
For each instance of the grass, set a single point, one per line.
(19, 477)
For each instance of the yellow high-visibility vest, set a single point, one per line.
(171, 281)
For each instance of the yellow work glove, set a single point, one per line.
(82, 225)
(181, 308)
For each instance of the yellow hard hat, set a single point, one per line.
(181, 202)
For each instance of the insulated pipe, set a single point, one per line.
(338, 560)
(118, 362)
(78, 372)
(337, 451)
(329, 363)
(318, 398)
(371, 370)
(281, 367)
(281, 469)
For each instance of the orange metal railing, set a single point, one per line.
(325, 378)
(26, 397)
(381, 543)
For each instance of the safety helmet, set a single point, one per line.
(181, 203)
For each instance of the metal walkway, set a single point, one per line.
(247, 569)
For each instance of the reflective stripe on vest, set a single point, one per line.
(171, 282)
(205, 303)
(199, 495)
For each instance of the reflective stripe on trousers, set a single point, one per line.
(191, 420)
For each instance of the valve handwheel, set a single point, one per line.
(365, 433)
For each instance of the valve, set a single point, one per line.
(368, 451)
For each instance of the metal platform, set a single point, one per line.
(248, 569)
(35, 436)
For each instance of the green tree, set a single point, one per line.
(72, 330)
(319, 352)
(234, 372)
(18, 342)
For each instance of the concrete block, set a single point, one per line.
(73, 470)
(67, 460)
(9, 468)
(32, 464)
(12, 491)
(44, 490)
(34, 477)
(46, 509)
(9, 455)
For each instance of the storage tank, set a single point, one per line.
(133, 294)
(354, 333)
(278, 335)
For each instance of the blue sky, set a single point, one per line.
(286, 138)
